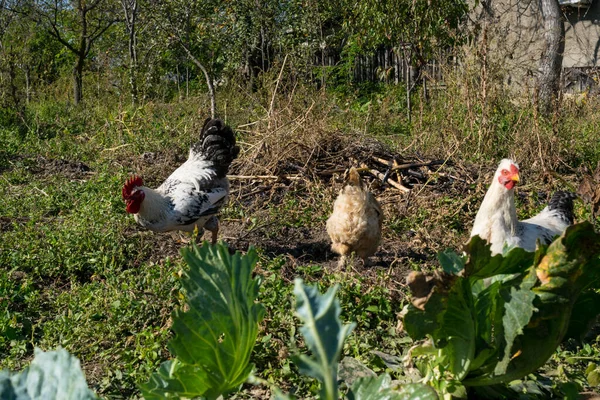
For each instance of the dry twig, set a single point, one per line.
(381, 176)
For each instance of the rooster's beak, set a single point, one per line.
(515, 177)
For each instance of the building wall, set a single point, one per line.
(515, 37)
(582, 44)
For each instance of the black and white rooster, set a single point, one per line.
(194, 193)
(497, 222)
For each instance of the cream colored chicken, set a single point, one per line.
(355, 224)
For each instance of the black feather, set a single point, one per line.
(216, 144)
(170, 185)
(563, 203)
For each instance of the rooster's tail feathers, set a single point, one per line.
(216, 144)
(562, 203)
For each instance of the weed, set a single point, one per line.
(77, 272)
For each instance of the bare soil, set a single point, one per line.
(318, 173)
(436, 213)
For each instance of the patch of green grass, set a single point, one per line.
(364, 301)
(118, 326)
(75, 270)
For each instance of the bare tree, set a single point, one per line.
(552, 57)
(180, 20)
(209, 82)
(130, 8)
(92, 20)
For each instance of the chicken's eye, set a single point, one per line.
(505, 172)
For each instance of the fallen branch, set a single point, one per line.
(41, 191)
(397, 166)
(383, 161)
(328, 172)
(416, 174)
(248, 124)
(117, 147)
(244, 177)
(381, 176)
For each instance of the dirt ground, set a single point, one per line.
(434, 215)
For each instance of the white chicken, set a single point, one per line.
(355, 224)
(497, 222)
(194, 193)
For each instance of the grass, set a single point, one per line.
(76, 272)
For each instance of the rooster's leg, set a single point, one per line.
(212, 225)
(213, 239)
(199, 236)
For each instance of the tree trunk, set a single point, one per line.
(14, 90)
(49, 16)
(209, 82)
(133, 82)
(27, 84)
(81, 54)
(130, 7)
(78, 79)
(552, 56)
(133, 62)
(211, 89)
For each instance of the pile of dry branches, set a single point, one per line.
(296, 151)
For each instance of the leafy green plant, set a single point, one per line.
(487, 321)
(381, 388)
(51, 375)
(324, 335)
(214, 338)
(490, 320)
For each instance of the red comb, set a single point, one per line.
(130, 184)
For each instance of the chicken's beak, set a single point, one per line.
(515, 177)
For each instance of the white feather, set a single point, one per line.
(196, 192)
(497, 222)
(196, 172)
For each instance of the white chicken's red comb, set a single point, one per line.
(134, 181)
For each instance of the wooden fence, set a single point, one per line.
(391, 66)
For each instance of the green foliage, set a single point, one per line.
(51, 118)
(475, 316)
(51, 375)
(381, 388)
(76, 272)
(425, 25)
(324, 335)
(502, 317)
(588, 309)
(214, 338)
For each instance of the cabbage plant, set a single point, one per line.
(484, 320)
(214, 338)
